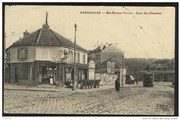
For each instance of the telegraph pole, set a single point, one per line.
(75, 27)
(122, 70)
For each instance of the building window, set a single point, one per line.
(84, 59)
(8, 56)
(70, 56)
(96, 56)
(78, 58)
(22, 54)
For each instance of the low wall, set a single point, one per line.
(106, 79)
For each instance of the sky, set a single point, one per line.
(141, 32)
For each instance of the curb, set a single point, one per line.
(47, 90)
(33, 90)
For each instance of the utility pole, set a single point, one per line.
(122, 69)
(75, 27)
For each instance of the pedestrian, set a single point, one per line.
(51, 79)
(117, 84)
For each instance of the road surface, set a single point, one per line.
(131, 100)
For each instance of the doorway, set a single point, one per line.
(16, 74)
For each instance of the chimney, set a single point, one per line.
(101, 46)
(25, 34)
(46, 26)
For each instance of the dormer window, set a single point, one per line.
(22, 54)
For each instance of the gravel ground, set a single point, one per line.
(131, 100)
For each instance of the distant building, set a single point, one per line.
(42, 55)
(105, 52)
(106, 67)
(162, 72)
(109, 60)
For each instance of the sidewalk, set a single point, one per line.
(52, 88)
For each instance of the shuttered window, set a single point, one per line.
(8, 56)
(71, 56)
(78, 58)
(84, 59)
(22, 54)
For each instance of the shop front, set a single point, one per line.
(59, 73)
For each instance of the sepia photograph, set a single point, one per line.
(90, 59)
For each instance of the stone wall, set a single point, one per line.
(91, 74)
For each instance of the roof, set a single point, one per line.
(46, 37)
(158, 66)
(103, 64)
(107, 48)
(98, 49)
(161, 66)
(163, 72)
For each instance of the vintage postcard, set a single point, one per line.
(90, 59)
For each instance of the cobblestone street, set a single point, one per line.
(131, 100)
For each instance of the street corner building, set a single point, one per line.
(44, 57)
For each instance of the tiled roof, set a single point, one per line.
(46, 37)
(29, 40)
(104, 64)
(67, 42)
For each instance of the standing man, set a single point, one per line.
(117, 84)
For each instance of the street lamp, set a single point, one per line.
(75, 26)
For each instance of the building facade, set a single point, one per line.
(162, 73)
(110, 65)
(105, 52)
(107, 66)
(42, 55)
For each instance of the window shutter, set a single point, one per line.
(78, 57)
(26, 54)
(84, 58)
(18, 54)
